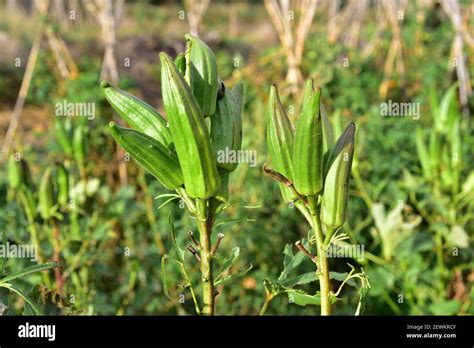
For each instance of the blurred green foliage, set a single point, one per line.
(416, 256)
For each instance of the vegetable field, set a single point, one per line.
(283, 157)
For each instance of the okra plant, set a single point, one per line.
(443, 193)
(50, 202)
(181, 153)
(313, 174)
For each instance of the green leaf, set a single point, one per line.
(304, 278)
(229, 262)
(450, 307)
(168, 201)
(459, 237)
(341, 277)
(444, 107)
(28, 301)
(468, 186)
(302, 299)
(234, 275)
(272, 287)
(179, 251)
(29, 270)
(362, 297)
(48, 301)
(4, 259)
(298, 297)
(229, 221)
(434, 107)
(163, 278)
(4, 301)
(291, 261)
(382, 280)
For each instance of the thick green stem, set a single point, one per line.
(205, 221)
(323, 269)
(264, 308)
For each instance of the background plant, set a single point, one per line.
(313, 172)
(120, 226)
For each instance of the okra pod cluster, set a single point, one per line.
(53, 192)
(182, 154)
(440, 154)
(307, 158)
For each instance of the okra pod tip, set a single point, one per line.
(104, 84)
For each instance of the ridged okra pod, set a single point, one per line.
(157, 159)
(138, 114)
(201, 74)
(226, 130)
(280, 141)
(189, 132)
(308, 145)
(336, 184)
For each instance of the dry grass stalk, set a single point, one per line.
(292, 35)
(346, 26)
(105, 15)
(393, 9)
(195, 10)
(64, 62)
(20, 101)
(452, 9)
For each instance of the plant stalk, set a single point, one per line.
(32, 227)
(57, 255)
(323, 269)
(205, 222)
(264, 308)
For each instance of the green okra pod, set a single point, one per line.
(62, 136)
(45, 198)
(337, 180)
(62, 181)
(189, 132)
(78, 142)
(308, 145)
(280, 141)
(15, 172)
(138, 114)
(226, 130)
(201, 74)
(157, 159)
(180, 62)
(239, 95)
